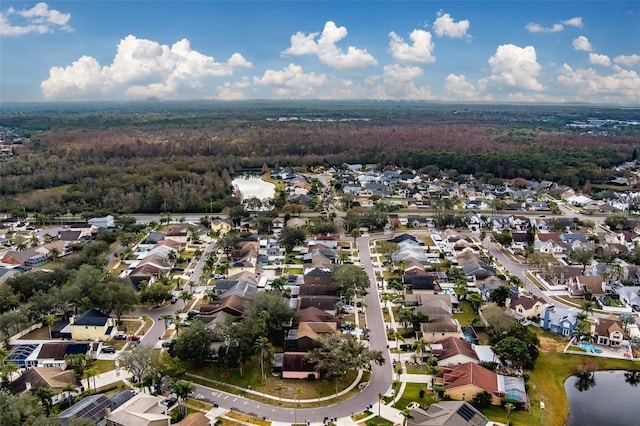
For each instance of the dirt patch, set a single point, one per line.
(548, 344)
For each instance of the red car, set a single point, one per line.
(134, 338)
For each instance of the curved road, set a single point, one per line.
(380, 382)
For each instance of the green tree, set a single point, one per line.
(350, 280)
(263, 347)
(22, 409)
(514, 351)
(183, 389)
(50, 320)
(476, 301)
(275, 304)
(194, 344)
(460, 288)
(166, 318)
(482, 400)
(499, 295)
(290, 237)
(583, 256)
(184, 296)
(163, 367)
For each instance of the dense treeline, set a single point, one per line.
(182, 160)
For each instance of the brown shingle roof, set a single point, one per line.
(469, 374)
(296, 361)
(314, 314)
(52, 377)
(526, 302)
(593, 284)
(444, 324)
(313, 330)
(452, 347)
(606, 326)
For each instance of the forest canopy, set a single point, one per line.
(181, 157)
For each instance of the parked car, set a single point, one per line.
(121, 337)
(193, 313)
(169, 402)
(174, 300)
(135, 338)
(108, 350)
(166, 343)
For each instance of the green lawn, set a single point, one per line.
(552, 368)
(467, 315)
(378, 421)
(103, 365)
(412, 393)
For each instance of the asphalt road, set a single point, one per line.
(381, 377)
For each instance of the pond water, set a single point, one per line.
(253, 186)
(605, 398)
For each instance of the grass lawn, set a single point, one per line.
(378, 421)
(412, 393)
(552, 368)
(467, 315)
(104, 365)
(416, 369)
(247, 419)
(428, 242)
(251, 379)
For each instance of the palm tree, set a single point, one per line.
(145, 318)
(184, 296)
(34, 240)
(8, 369)
(509, 406)
(50, 319)
(21, 246)
(166, 318)
(262, 346)
(183, 389)
(395, 334)
(54, 253)
(71, 390)
(45, 394)
(90, 373)
(587, 307)
(421, 345)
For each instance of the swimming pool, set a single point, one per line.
(590, 348)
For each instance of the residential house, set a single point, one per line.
(318, 276)
(440, 328)
(55, 378)
(30, 258)
(526, 307)
(560, 320)
(463, 382)
(453, 351)
(432, 305)
(305, 336)
(296, 365)
(227, 287)
(92, 325)
(141, 410)
(447, 413)
(609, 332)
(587, 286)
(45, 354)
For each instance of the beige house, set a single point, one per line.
(220, 226)
(92, 325)
(141, 410)
(526, 307)
(440, 328)
(609, 332)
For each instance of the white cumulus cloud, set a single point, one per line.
(291, 82)
(627, 60)
(619, 86)
(327, 51)
(39, 19)
(574, 22)
(598, 59)
(444, 25)
(513, 68)
(582, 43)
(421, 51)
(141, 68)
(457, 87)
(532, 27)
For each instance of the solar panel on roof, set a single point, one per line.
(466, 412)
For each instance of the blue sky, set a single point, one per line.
(481, 51)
